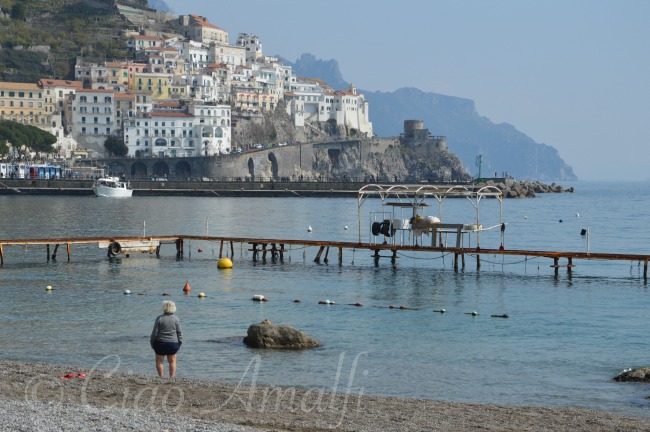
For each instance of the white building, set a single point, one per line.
(93, 112)
(195, 55)
(194, 130)
(252, 45)
(308, 101)
(348, 108)
(140, 42)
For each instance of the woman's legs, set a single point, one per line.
(171, 359)
(160, 368)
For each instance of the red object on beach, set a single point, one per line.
(200, 250)
(68, 376)
(81, 375)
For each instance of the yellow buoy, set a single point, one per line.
(201, 295)
(49, 288)
(224, 263)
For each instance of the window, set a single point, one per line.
(83, 130)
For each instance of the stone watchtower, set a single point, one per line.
(414, 130)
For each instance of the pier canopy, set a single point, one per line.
(395, 200)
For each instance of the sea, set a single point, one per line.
(568, 333)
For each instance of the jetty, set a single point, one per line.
(264, 249)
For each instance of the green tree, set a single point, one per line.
(4, 148)
(27, 136)
(115, 146)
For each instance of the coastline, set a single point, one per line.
(34, 397)
(251, 189)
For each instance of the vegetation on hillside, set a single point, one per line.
(43, 38)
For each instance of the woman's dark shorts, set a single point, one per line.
(166, 348)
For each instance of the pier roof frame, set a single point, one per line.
(415, 196)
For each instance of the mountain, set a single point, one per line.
(159, 5)
(502, 147)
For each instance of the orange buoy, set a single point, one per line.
(187, 288)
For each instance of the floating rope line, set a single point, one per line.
(526, 259)
(416, 258)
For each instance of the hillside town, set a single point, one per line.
(181, 94)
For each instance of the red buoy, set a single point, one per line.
(187, 288)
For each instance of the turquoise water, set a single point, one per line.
(566, 337)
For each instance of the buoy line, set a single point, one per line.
(429, 259)
(503, 263)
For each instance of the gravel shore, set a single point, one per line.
(34, 397)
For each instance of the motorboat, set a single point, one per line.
(112, 187)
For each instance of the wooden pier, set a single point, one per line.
(262, 248)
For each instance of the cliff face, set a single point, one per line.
(343, 156)
(383, 160)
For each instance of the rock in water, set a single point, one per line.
(634, 375)
(269, 335)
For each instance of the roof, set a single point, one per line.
(115, 64)
(170, 104)
(170, 114)
(124, 96)
(19, 86)
(159, 49)
(203, 22)
(345, 93)
(145, 37)
(60, 83)
(95, 91)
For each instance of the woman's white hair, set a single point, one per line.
(169, 307)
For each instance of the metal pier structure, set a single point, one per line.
(274, 249)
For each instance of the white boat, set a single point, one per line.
(112, 187)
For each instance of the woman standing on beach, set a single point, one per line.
(166, 338)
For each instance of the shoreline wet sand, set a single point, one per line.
(35, 397)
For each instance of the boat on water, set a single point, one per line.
(112, 187)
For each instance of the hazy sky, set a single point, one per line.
(573, 74)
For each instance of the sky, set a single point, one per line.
(572, 74)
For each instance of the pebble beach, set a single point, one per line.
(42, 397)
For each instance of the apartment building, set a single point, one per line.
(177, 130)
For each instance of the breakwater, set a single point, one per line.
(80, 187)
